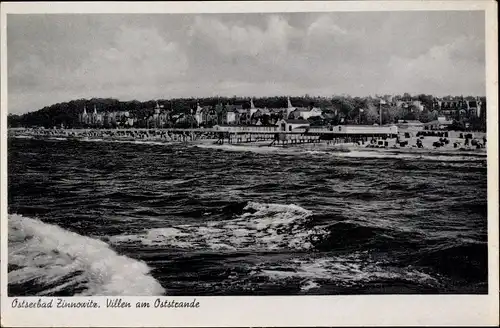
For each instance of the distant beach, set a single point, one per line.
(453, 144)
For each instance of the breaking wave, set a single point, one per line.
(21, 137)
(262, 149)
(260, 226)
(136, 142)
(429, 155)
(53, 261)
(346, 271)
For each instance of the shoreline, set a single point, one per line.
(207, 142)
(339, 149)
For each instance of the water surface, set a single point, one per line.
(115, 218)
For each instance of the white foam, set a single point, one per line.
(309, 284)
(247, 148)
(145, 142)
(110, 140)
(405, 155)
(47, 253)
(352, 153)
(343, 270)
(137, 142)
(269, 227)
(21, 137)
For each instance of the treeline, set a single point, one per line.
(347, 109)
(67, 113)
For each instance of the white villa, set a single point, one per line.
(290, 125)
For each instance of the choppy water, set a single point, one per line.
(108, 218)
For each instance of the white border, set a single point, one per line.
(270, 310)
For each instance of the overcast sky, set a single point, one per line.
(55, 58)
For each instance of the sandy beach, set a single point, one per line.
(411, 148)
(453, 144)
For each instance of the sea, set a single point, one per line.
(148, 218)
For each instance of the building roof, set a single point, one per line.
(328, 115)
(201, 109)
(302, 109)
(322, 126)
(232, 107)
(439, 122)
(263, 110)
(289, 121)
(365, 125)
(410, 121)
(244, 126)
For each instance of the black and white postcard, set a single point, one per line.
(249, 163)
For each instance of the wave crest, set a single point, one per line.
(341, 271)
(54, 259)
(260, 226)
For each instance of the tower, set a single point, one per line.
(198, 115)
(479, 104)
(289, 108)
(84, 115)
(157, 108)
(250, 112)
(94, 115)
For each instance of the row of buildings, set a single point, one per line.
(205, 116)
(461, 107)
(201, 116)
(237, 115)
(105, 118)
(301, 126)
(451, 108)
